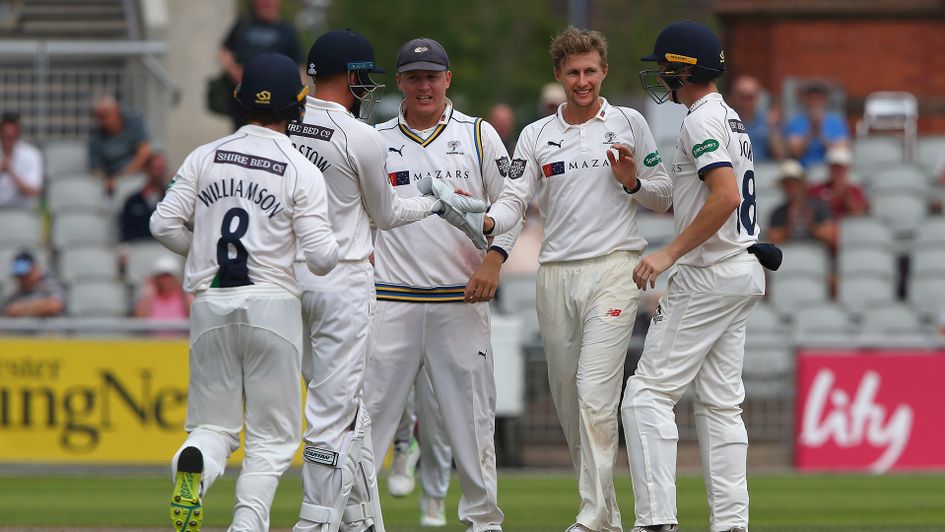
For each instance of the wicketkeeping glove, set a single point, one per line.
(463, 212)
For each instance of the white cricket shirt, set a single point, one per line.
(352, 157)
(586, 211)
(431, 261)
(247, 197)
(713, 136)
(27, 163)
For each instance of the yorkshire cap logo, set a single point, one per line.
(676, 58)
(263, 97)
(311, 69)
(722, 56)
(420, 49)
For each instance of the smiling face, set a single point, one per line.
(581, 76)
(424, 95)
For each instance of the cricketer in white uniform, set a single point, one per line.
(338, 308)
(586, 298)
(422, 272)
(432, 444)
(249, 197)
(698, 332)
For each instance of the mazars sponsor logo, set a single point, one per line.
(853, 418)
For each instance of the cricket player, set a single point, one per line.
(586, 299)
(433, 446)
(338, 308)
(423, 272)
(698, 332)
(249, 197)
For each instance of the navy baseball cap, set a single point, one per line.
(271, 82)
(22, 263)
(422, 54)
(340, 51)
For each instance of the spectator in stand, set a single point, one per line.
(263, 31)
(812, 132)
(162, 296)
(21, 166)
(136, 213)
(38, 294)
(763, 125)
(844, 197)
(502, 118)
(801, 216)
(119, 142)
(552, 96)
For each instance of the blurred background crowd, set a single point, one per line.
(844, 103)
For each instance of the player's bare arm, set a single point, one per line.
(722, 201)
(623, 166)
(484, 282)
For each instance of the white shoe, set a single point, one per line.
(432, 511)
(656, 528)
(400, 482)
(578, 527)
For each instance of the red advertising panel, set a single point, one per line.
(870, 410)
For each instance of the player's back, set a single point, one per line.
(331, 137)
(247, 187)
(714, 136)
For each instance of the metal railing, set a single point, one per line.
(53, 83)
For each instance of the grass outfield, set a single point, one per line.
(532, 502)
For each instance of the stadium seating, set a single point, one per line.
(80, 229)
(931, 234)
(825, 319)
(932, 153)
(82, 193)
(65, 157)
(859, 292)
(866, 260)
(125, 186)
(142, 256)
(98, 299)
(927, 293)
(98, 263)
(895, 319)
(903, 212)
(20, 227)
(657, 229)
(895, 179)
(765, 320)
(857, 231)
(792, 292)
(802, 258)
(929, 261)
(871, 153)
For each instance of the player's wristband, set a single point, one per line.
(634, 189)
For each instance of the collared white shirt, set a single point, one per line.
(352, 156)
(249, 197)
(27, 163)
(586, 211)
(432, 260)
(713, 136)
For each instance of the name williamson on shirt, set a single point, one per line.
(235, 188)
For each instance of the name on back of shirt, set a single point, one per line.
(235, 188)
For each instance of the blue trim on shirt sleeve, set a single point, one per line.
(713, 166)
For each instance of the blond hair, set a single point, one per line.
(574, 41)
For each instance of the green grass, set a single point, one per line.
(532, 502)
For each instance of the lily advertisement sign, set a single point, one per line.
(872, 411)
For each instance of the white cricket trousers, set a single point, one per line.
(337, 311)
(453, 343)
(245, 352)
(436, 456)
(696, 336)
(586, 310)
